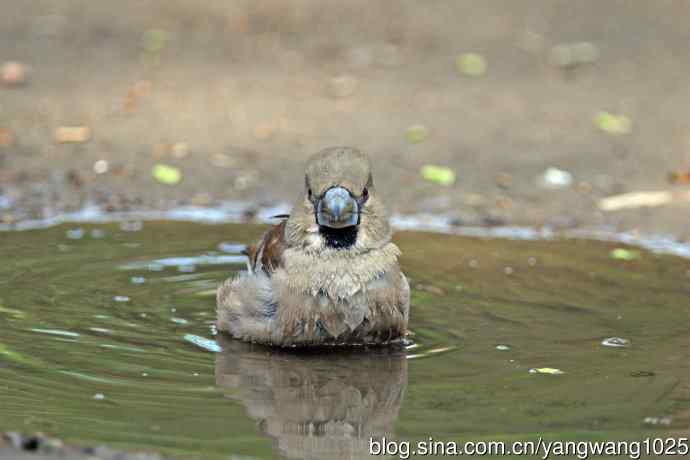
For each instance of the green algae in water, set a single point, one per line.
(162, 391)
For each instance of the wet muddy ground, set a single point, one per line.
(236, 95)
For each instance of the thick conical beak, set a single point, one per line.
(337, 209)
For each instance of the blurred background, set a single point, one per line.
(489, 113)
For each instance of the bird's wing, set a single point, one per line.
(267, 254)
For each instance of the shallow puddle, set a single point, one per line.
(106, 337)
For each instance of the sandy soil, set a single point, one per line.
(237, 94)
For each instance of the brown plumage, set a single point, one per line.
(329, 273)
(267, 254)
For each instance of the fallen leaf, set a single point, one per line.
(72, 134)
(438, 174)
(416, 134)
(155, 40)
(166, 174)
(613, 124)
(471, 64)
(6, 137)
(679, 177)
(635, 200)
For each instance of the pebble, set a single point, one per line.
(554, 178)
(101, 167)
(137, 280)
(13, 73)
(99, 396)
(503, 347)
(121, 298)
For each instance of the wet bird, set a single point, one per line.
(328, 273)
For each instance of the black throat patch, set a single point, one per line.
(339, 238)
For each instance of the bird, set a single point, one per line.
(328, 273)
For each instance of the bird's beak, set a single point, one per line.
(337, 209)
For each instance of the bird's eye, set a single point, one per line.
(365, 194)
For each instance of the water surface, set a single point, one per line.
(106, 337)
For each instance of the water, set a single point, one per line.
(106, 337)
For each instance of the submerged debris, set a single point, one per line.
(657, 421)
(202, 342)
(615, 342)
(624, 254)
(546, 370)
(75, 233)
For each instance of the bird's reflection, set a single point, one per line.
(319, 404)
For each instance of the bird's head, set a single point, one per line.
(340, 208)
